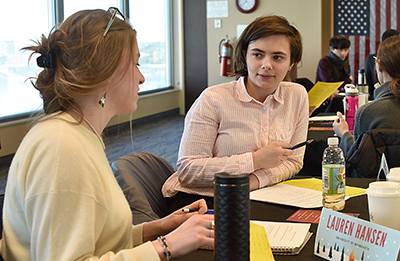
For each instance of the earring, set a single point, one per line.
(102, 100)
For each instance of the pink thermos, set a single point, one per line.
(351, 105)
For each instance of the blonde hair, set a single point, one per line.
(82, 58)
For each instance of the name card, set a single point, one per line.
(343, 237)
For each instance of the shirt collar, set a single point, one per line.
(68, 118)
(244, 96)
(382, 91)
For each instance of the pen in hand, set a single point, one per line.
(189, 210)
(301, 144)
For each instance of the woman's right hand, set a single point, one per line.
(196, 232)
(271, 155)
(340, 125)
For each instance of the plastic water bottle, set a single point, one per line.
(333, 176)
(351, 105)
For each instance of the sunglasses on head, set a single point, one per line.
(114, 11)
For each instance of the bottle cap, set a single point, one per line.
(350, 89)
(333, 141)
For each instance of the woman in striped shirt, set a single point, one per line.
(248, 125)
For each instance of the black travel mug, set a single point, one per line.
(232, 217)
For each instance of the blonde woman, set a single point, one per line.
(62, 201)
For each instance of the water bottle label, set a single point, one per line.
(333, 180)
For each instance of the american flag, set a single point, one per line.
(363, 22)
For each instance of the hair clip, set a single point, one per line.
(45, 61)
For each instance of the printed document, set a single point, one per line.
(288, 195)
(321, 91)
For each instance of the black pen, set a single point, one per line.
(188, 210)
(301, 144)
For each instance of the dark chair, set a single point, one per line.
(312, 162)
(307, 83)
(363, 160)
(1, 214)
(1, 222)
(141, 176)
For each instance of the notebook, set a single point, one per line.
(286, 238)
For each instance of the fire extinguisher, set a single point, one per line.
(225, 56)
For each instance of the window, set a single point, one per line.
(72, 6)
(151, 19)
(154, 39)
(17, 95)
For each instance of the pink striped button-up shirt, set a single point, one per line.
(225, 125)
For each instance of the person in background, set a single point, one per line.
(62, 201)
(370, 74)
(247, 125)
(334, 67)
(384, 111)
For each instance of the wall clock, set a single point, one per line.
(246, 6)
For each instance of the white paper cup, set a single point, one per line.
(394, 175)
(384, 203)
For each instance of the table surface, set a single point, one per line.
(279, 213)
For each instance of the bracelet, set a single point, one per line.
(162, 241)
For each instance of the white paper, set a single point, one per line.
(288, 195)
(323, 118)
(284, 234)
(217, 9)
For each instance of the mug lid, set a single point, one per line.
(384, 187)
(224, 178)
(395, 172)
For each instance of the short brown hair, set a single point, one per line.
(262, 27)
(389, 56)
(339, 42)
(83, 59)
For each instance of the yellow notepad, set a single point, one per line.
(316, 184)
(260, 249)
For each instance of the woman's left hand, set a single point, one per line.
(151, 230)
(340, 125)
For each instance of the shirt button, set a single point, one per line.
(264, 130)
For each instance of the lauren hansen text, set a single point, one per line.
(361, 232)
